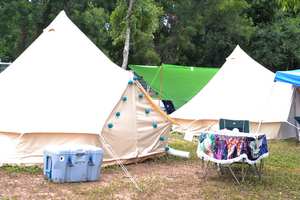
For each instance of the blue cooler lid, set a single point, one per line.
(72, 149)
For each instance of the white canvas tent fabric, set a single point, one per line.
(63, 90)
(292, 128)
(291, 77)
(241, 90)
(62, 62)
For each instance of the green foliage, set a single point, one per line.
(94, 21)
(289, 5)
(144, 22)
(179, 24)
(233, 28)
(274, 44)
(205, 34)
(189, 32)
(118, 22)
(17, 27)
(262, 11)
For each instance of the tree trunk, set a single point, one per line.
(23, 38)
(127, 36)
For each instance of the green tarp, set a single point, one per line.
(176, 83)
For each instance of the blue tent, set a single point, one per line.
(292, 77)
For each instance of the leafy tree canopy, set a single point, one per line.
(190, 32)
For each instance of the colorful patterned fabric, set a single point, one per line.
(230, 148)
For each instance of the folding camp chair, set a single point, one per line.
(242, 126)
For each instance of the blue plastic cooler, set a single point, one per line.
(72, 164)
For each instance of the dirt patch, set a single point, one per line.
(158, 179)
(168, 180)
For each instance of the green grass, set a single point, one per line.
(176, 142)
(284, 154)
(110, 168)
(21, 169)
(4, 198)
(281, 178)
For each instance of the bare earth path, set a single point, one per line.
(158, 180)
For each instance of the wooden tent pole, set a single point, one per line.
(160, 82)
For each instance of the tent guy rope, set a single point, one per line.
(114, 155)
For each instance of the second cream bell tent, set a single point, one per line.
(241, 90)
(63, 90)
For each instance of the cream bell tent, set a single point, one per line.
(63, 90)
(241, 90)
